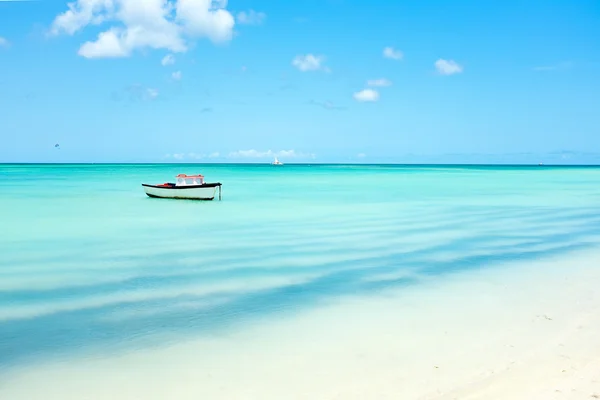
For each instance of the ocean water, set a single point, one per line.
(91, 266)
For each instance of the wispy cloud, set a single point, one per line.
(251, 17)
(149, 94)
(328, 105)
(568, 154)
(136, 93)
(256, 154)
(235, 71)
(379, 82)
(448, 67)
(176, 75)
(192, 156)
(3, 41)
(309, 62)
(366, 95)
(390, 52)
(555, 67)
(169, 59)
(287, 86)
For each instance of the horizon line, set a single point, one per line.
(302, 163)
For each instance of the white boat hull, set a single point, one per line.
(197, 192)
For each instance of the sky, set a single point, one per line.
(413, 81)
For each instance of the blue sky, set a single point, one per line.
(309, 81)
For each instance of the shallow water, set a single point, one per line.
(92, 266)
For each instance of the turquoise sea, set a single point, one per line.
(91, 266)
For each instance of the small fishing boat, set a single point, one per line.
(191, 187)
(276, 162)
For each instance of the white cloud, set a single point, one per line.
(448, 67)
(169, 59)
(108, 44)
(389, 52)
(366, 95)
(379, 82)
(176, 75)
(251, 17)
(4, 42)
(269, 154)
(361, 155)
(309, 62)
(82, 13)
(139, 24)
(203, 18)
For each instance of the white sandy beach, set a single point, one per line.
(521, 331)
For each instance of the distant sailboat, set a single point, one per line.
(276, 162)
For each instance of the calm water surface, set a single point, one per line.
(90, 264)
